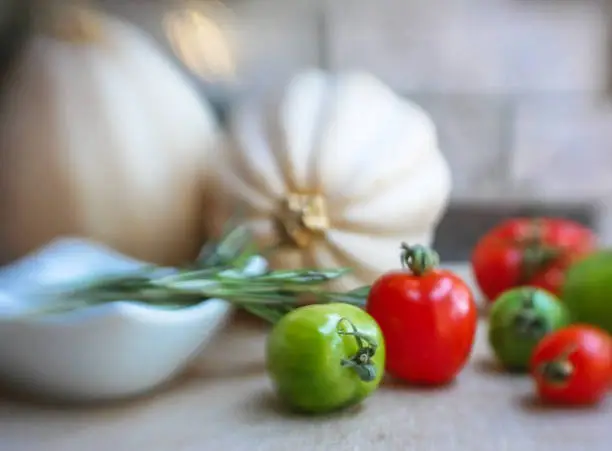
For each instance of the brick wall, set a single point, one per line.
(518, 88)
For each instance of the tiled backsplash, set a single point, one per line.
(519, 89)
(477, 46)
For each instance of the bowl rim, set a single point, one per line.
(134, 310)
(127, 309)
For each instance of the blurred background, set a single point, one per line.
(519, 89)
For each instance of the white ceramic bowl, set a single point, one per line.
(111, 351)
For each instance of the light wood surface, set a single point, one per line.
(224, 403)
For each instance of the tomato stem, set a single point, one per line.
(559, 370)
(419, 259)
(361, 361)
(535, 258)
(536, 255)
(528, 322)
(528, 298)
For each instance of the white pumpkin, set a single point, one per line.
(101, 136)
(340, 170)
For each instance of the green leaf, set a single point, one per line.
(361, 291)
(268, 314)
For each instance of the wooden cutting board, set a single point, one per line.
(225, 403)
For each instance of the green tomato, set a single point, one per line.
(519, 319)
(587, 290)
(325, 357)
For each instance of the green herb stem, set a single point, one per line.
(217, 273)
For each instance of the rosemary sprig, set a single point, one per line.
(218, 272)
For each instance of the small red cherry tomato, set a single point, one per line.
(573, 365)
(428, 318)
(529, 251)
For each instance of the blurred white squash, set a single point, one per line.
(338, 169)
(101, 136)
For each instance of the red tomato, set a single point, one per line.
(428, 318)
(573, 365)
(524, 251)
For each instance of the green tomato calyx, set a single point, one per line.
(528, 322)
(361, 362)
(418, 259)
(536, 255)
(536, 258)
(558, 371)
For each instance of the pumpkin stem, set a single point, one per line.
(301, 218)
(528, 322)
(419, 259)
(361, 361)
